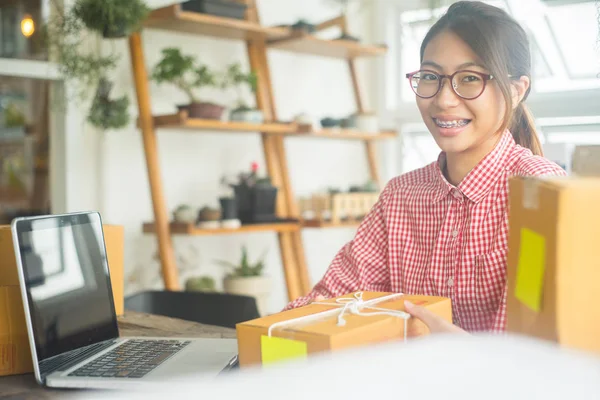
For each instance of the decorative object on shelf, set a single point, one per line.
(203, 283)
(187, 74)
(304, 26)
(185, 214)
(329, 122)
(247, 278)
(221, 8)
(229, 212)
(337, 208)
(255, 197)
(209, 218)
(236, 78)
(108, 113)
(344, 6)
(348, 122)
(111, 18)
(367, 122)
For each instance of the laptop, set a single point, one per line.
(71, 318)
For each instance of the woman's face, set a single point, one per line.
(459, 125)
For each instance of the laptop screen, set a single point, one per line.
(67, 282)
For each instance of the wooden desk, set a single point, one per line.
(131, 324)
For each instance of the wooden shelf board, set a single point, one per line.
(330, 133)
(190, 229)
(180, 121)
(305, 43)
(327, 224)
(173, 19)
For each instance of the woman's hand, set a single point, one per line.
(435, 323)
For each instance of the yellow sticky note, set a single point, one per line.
(275, 349)
(530, 270)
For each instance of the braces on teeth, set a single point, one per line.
(451, 124)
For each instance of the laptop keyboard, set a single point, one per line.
(132, 359)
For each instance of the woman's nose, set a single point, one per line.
(446, 98)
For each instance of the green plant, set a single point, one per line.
(65, 40)
(13, 117)
(200, 284)
(245, 268)
(236, 78)
(184, 72)
(107, 113)
(111, 18)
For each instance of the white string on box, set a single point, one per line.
(355, 304)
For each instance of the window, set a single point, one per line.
(24, 147)
(565, 48)
(21, 32)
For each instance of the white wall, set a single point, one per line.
(112, 175)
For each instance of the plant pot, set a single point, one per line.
(256, 204)
(228, 9)
(330, 122)
(247, 115)
(116, 31)
(228, 208)
(204, 110)
(258, 287)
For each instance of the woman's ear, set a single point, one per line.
(518, 89)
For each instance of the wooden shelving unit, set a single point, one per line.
(323, 225)
(182, 121)
(191, 229)
(172, 18)
(258, 40)
(300, 42)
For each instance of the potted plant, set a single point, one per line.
(246, 278)
(187, 74)
(255, 197)
(237, 79)
(84, 71)
(203, 283)
(108, 113)
(111, 18)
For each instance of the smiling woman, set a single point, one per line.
(441, 230)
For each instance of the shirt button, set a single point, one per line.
(450, 282)
(455, 233)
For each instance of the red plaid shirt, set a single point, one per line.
(426, 236)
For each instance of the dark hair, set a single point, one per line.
(503, 47)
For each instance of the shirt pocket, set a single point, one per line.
(490, 282)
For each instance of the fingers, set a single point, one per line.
(434, 322)
(428, 318)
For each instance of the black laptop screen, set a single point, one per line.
(67, 282)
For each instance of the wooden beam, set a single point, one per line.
(372, 159)
(337, 21)
(165, 246)
(356, 87)
(290, 266)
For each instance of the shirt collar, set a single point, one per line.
(480, 180)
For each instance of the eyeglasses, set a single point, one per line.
(468, 85)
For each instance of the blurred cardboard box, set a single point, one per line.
(15, 354)
(334, 324)
(553, 261)
(586, 161)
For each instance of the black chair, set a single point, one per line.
(218, 309)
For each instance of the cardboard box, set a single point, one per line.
(15, 354)
(553, 262)
(314, 328)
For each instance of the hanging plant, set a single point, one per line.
(111, 18)
(106, 113)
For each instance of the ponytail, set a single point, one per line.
(523, 130)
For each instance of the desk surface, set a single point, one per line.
(131, 324)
